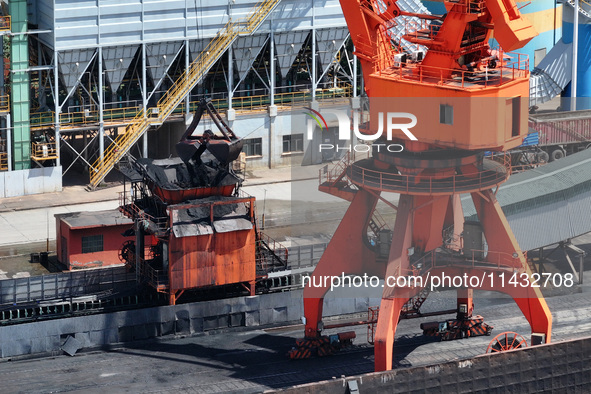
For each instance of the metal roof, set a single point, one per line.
(81, 220)
(547, 204)
(195, 220)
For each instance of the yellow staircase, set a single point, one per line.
(175, 95)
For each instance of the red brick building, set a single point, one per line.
(90, 239)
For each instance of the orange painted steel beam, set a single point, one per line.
(419, 224)
(346, 253)
(461, 71)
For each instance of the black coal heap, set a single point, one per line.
(174, 174)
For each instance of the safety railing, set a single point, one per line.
(488, 76)
(473, 259)
(41, 120)
(64, 285)
(4, 103)
(367, 50)
(158, 279)
(129, 207)
(470, 6)
(331, 173)
(493, 173)
(84, 118)
(420, 28)
(280, 254)
(5, 24)
(43, 151)
(179, 90)
(211, 206)
(3, 161)
(258, 15)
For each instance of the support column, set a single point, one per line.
(20, 85)
(139, 249)
(313, 64)
(9, 141)
(354, 73)
(272, 118)
(272, 64)
(500, 239)
(100, 97)
(313, 55)
(230, 76)
(581, 265)
(394, 298)
(187, 65)
(58, 107)
(575, 57)
(231, 114)
(2, 89)
(272, 106)
(144, 100)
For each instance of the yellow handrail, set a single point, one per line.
(4, 103)
(5, 23)
(43, 151)
(179, 90)
(40, 120)
(3, 161)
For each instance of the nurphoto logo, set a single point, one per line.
(346, 124)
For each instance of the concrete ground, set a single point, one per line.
(249, 360)
(287, 198)
(255, 360)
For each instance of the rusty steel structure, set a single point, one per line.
(202, 228)
(467, 98)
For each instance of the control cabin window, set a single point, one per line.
(446, 114)
(293, 143)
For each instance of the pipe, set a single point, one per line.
(144, 94)
(100, 97)
(354, 73)
(573, 93)
(313, 52)
(9, 142)
(230, 76)
(272, 60)
(56, 100)
(187, 65)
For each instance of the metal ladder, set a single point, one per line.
(179, 90)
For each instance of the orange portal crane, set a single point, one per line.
(467, 99)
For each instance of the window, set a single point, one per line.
(516, 116)
(253, 147)
(293, 143)
(539, 54)
(93, 243)
(446, 114)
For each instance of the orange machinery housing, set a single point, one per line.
(467, 98)
(217, 249)
(200, 236)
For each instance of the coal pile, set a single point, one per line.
(174, 174)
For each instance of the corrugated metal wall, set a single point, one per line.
(215, 259)
(90, 23)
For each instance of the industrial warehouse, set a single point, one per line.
(340, 196)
